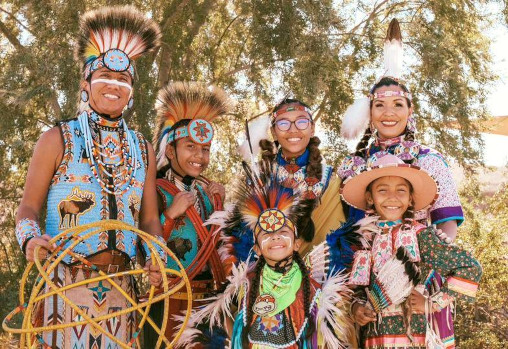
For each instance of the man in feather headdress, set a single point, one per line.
(186, 199)
(94, 168)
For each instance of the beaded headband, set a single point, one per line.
(384, 94)
(291, 107)
(272, 220)
(199, 130)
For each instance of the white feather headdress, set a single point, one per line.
(357, 116)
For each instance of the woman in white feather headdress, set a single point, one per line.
(386, 118)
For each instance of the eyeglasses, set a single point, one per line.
(300, 124)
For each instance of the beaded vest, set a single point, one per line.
(109, 187)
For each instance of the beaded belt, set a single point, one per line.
(109, 262)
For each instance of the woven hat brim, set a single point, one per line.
(425, 188)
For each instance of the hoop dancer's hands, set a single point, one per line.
(154, 273)
(42, 241)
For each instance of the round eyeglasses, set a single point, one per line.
(300, 124)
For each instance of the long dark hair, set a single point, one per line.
(254, 290)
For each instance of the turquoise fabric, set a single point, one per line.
(184, 240)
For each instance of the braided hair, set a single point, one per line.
(306, 292)
(269, 149)
(362, 146)
(253, 293)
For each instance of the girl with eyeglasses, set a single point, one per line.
(299, 166)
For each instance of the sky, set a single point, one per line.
(496, 146)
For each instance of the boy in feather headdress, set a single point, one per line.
(185, 198)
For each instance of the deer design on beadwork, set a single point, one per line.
(134, 206)
(77, 203)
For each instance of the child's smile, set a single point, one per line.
(276, 246)
(391, 197)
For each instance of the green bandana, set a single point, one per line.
(283, 290)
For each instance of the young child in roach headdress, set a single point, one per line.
(400, 257)
(278, 301)
(186, 199)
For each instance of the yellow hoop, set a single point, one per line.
(27, 331)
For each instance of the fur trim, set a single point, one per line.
(356, 119)
(332, 314)
(257, 131)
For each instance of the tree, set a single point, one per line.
(324, 52)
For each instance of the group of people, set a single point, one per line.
(305, 257)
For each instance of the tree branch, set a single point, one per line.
(15, 19)
(11, 36)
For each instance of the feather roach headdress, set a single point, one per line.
(192, 101)
(262, 204)
(357, 116)
(114, 37)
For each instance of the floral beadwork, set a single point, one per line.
(360, 273)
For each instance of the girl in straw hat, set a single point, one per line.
(400, 256)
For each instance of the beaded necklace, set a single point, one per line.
(116, 163)
(176, 179)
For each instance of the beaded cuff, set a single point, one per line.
(25, 230)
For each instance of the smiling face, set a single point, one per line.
(109, 98)
(389, 114)
(192, 159)
(293, 141)
(275, 247)
(391, 196)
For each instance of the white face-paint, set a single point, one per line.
(290, 241)
(265, 240)
(113, 82)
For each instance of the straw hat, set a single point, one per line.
(425, 188)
